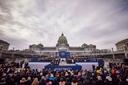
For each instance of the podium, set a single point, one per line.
(63, 65)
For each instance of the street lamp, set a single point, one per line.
(84, 52)
(113, 54)
(125, 51)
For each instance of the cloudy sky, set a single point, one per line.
(99, 22)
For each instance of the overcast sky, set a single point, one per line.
(99, 22)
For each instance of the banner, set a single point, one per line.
(64, 54)
(60, 68)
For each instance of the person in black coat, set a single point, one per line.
(29, 81)
(99, 81)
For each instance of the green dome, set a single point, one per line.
(62, 40)
(84, 45)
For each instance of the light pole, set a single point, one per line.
(84, 52)
(125, 51)
(113, 54)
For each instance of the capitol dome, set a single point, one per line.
(62, 40)
(84, 45)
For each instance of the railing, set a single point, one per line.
(25, 54)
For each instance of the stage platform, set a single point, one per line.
(48, 65)
(63, 67)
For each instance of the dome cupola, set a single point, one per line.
(62, 40)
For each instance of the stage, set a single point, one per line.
(48, 65)
(63, 67)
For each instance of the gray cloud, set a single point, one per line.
(100, 22)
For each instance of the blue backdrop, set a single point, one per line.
(64, 54)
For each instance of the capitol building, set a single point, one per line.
(62, 48)
(63, 45)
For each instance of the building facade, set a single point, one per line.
(122, 45)
(4, 45)
(62, 45)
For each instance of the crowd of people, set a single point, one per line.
(115, 74)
